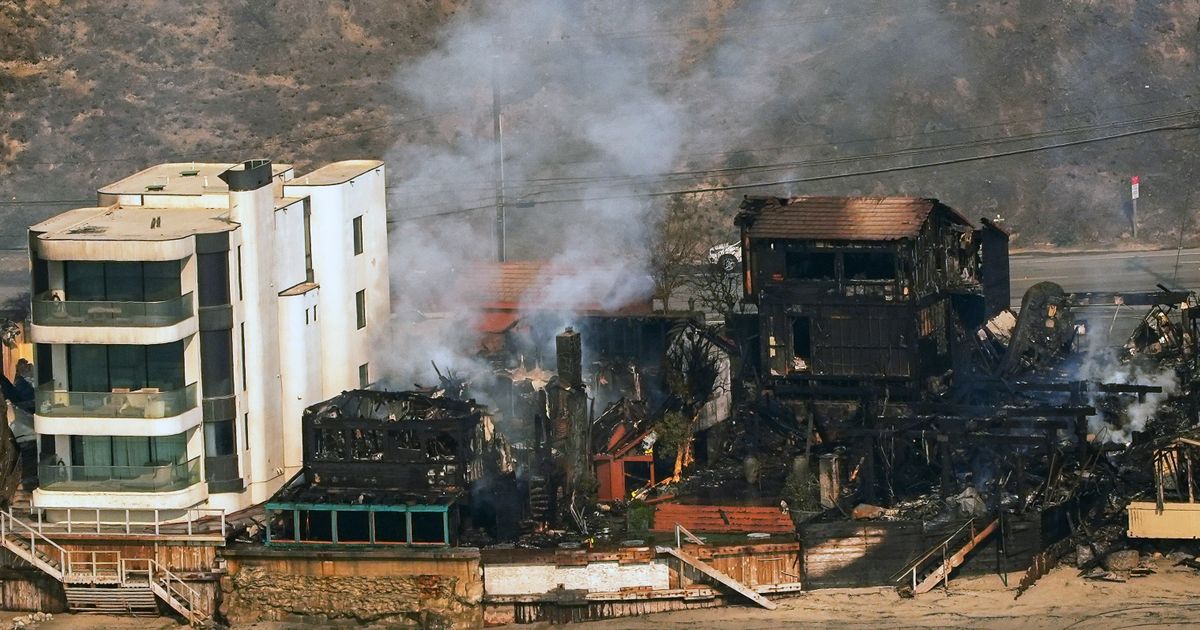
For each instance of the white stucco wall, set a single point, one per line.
(263, 469)
(341, 274)
(535, 579)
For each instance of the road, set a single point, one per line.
(1115, 271)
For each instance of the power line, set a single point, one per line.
(547, 184)
(833, 176)
(892, 169)
(663, 178)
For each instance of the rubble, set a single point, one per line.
(1123, 560)
(863, 511)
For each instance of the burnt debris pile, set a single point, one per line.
(879, 383)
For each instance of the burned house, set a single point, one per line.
(390, 468)
(858, 289)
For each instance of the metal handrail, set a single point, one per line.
(941, 546)
(7, 522)
(681, 530)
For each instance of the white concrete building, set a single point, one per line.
(183, 324)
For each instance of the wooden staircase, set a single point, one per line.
(935, 565)
(102, 581)
(717, 576)
(138, 601)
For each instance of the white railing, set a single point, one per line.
(102, 566)
(192, 523)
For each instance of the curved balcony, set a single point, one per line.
(142, 412)
(168, 486)
(165, 478)
(78, 321)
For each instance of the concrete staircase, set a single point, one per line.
(102, 581)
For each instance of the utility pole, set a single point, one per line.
(1134, 184)
(498, 148)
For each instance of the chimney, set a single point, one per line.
(570, 358)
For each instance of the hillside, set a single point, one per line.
(602, 97)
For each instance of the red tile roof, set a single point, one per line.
(839, 218)
(539, 285)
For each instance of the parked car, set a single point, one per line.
(726, 256)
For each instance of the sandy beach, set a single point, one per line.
(1167, 599)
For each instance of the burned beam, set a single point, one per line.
(1109, 388)
(981, 411)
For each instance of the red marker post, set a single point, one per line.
(1134, 184)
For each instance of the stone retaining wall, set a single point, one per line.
(395, 590)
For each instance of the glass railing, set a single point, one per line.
(142, 403)
(164, 478)
(47, 312)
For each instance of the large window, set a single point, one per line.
(869, 265)
(122, 281)
(216, 362)
(98, 368)
(810, 265)
(102, 450)
(360, 303)
(212, 278)
(219, 438)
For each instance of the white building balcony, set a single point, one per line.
(165, 487)
(111, 322)
(141, 412)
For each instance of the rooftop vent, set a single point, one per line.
(155, 187)
(189, 173)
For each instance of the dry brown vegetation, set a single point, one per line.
(93, 89)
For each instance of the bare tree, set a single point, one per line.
(686, 226)
(716, 291)
(677, 248)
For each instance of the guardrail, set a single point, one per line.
(93, 566)
(50, 312)
(165, 478)
(60, 403)
(193, 523)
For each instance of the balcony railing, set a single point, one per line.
(142, 403)
(47, 312)
(120, 478)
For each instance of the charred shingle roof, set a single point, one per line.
(839, 218)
